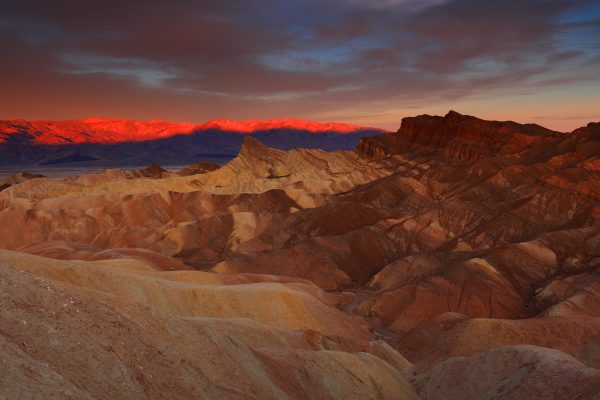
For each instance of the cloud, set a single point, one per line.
(401, 5)
(585, 117)
(146, 73)
(304, 58)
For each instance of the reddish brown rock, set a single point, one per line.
(199, 168)
(515, 372)
(456, 137)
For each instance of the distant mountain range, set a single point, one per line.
(118, 142)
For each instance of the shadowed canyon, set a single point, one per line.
(456, 258)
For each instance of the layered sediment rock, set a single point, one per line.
(465, 245)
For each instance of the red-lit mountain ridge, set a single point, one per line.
(108, 131)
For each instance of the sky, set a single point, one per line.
(367, 62)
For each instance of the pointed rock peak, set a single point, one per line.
(252, 148)
(260, 161)
(252, 143)
(151, 171)
(154, 167)
(453, 115)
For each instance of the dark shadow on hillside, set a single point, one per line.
(217, 146)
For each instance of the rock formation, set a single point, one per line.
(455, 258)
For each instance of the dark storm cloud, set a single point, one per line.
(294, 56)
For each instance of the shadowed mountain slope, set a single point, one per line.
(106, 142)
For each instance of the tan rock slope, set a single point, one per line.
(470, 247)
(119, 329)
(21, 177)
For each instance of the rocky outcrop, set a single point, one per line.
(198, 168)
(456, 137)
(142, 334)
(15, 179)
(516, 372)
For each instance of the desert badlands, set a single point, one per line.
(457, 258)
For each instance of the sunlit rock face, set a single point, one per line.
(455, 258)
